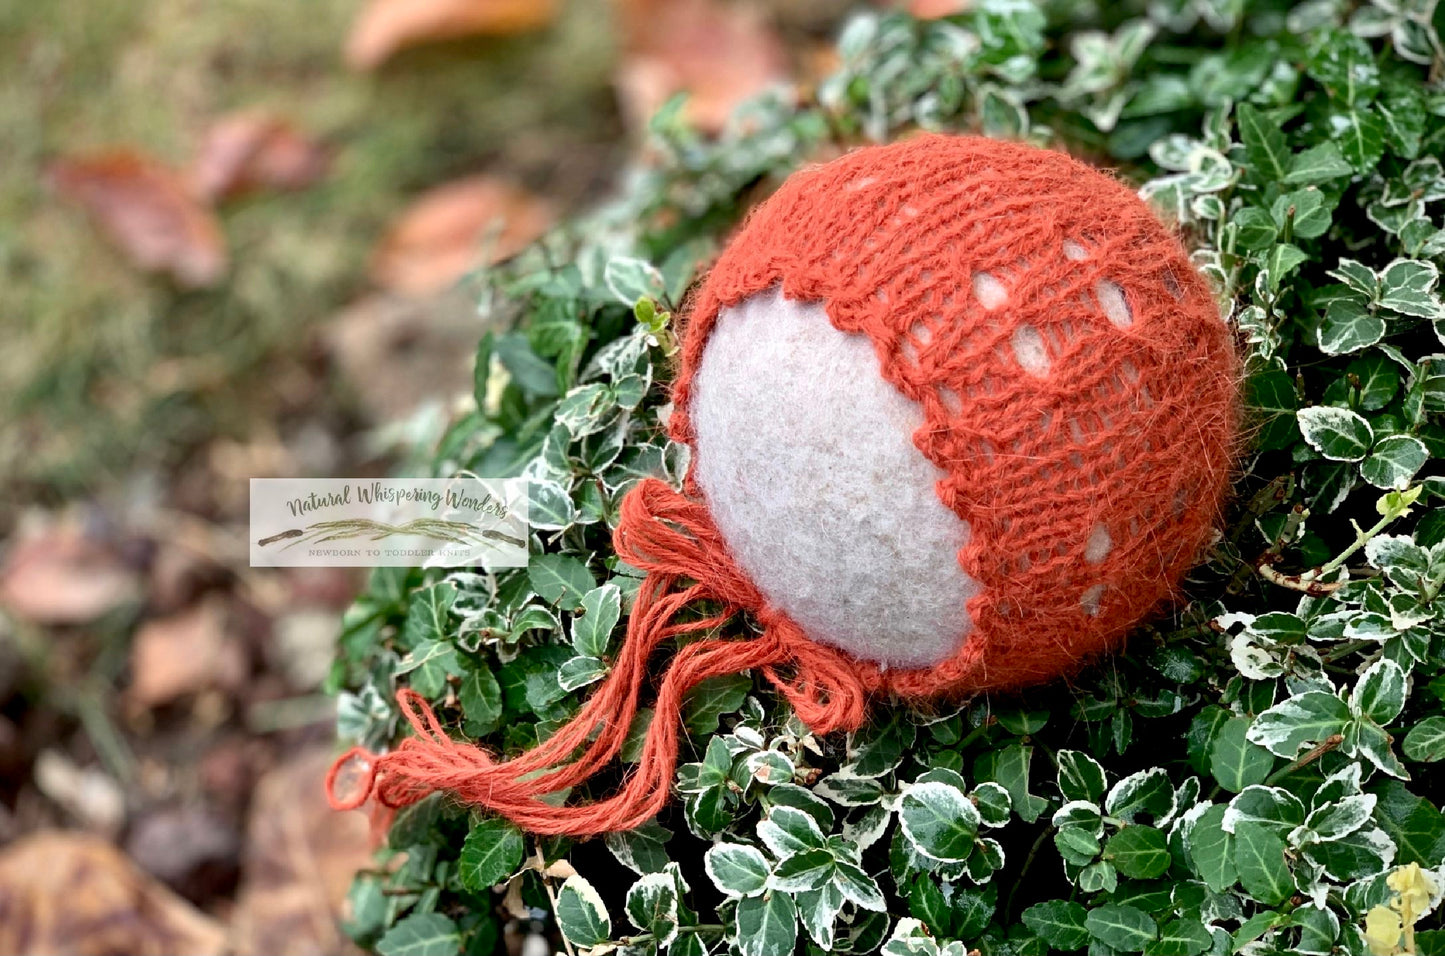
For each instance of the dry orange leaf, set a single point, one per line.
(57, 575)
(67, 893)
(933, 9)
(147, 210)
(183, 654)
(455, 228)
(252, 150)
(387, 26)
(719, 53)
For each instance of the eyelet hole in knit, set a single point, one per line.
(917, 339)
(990, 292)
(1074, 252)
(1030, 351)
(1171, 284)
(951, 400)
(1092, 600)
(1112, 301)
(1099, 544)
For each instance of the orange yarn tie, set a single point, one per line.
(671, 538)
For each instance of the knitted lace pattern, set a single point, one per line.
(1125, 434)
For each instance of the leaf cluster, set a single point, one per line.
(1246, 778)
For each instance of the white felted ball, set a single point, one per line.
(805, 454)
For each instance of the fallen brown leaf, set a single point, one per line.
(719, 53)
(387, 26)
(58, 575)
(183, 654)
(299, 860)
(254, 150)
(76, 895)
(148, 211)
(454, 228)
(933, 9)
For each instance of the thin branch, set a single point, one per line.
(1324, 747)
(541, 867)
(1303, 582)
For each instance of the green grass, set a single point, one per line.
(105, 370)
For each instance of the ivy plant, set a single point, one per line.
(1258, 771)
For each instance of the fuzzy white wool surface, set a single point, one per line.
(806, 457)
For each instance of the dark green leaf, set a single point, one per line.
(428, 616)
(1425, 743)
(1124, 928)
(1139, 852)
(1212, 850)
(1337, 433)
(492, 852)
(560, 579)
(581, 914)
(1259, 858)
(1257, 228)
(531, 372)
(1060, 923)
(421, 934)
(481, 698)
(1264, 144)
(1414, 823)
(1009, 767)
(1344, 64)
(1235, 762)
(939, 821)
(767, 925)
(706, 703)
(1361, 136)
(1318, 164)
(1182, 937)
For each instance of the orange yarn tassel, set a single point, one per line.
(672, 539)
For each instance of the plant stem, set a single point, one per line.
(695, 928)
(977, 732)
(1309, 581)
(552, 897)
(1324, 747)
(1345, 650)
(1361, 539)
(1305, 582)
(1028, 862)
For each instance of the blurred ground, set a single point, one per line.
(105, 366)
(230, 238)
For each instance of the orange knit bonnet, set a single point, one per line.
(1076, 388)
